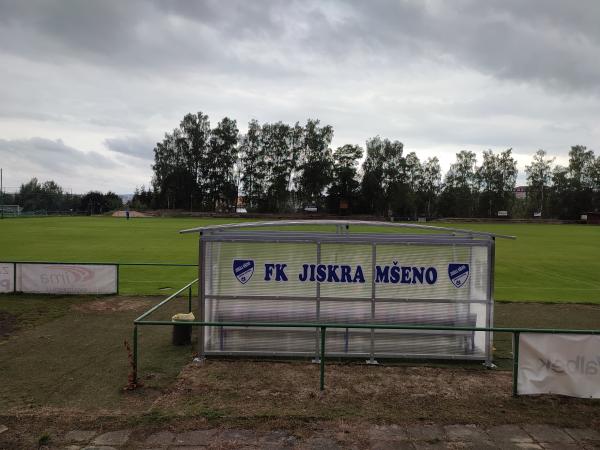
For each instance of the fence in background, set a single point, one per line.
(52, 277)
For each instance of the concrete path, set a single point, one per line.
(382, 437)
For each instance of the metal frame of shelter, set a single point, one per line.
(247, 232)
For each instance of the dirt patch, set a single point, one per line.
(225, 389)
(131, 214)
(113, 304)
(8, 324)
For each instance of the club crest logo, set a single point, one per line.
(243, 269)
(458, 273)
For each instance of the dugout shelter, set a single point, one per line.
(346, 272)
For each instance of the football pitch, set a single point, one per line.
(547, 263)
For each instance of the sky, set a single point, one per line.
(88, 87)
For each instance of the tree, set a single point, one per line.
(253, 166)
(581, 162)
(560, 193)
(344, 187)
(460, 187)
(539, 175)
(218, 168)
(429, 186)
(280, 164)
(372, 185)
(497, 177)
(316, 161)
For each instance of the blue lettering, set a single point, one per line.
(359, 275)
(346, 276)
(321, 273)
(382, 274)
(405, 275)
(395, 274)
(332, 276)
(302, 276)
(417, 274)
(280, 272)
(269, 271)
(431, 275)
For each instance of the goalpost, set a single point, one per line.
(10, 210)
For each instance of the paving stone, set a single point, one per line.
(198, 437)
(425, 432)
(421, 445)
(561, 445)
(319, 443)
(243, 436)
(508, 433)
(465, 433)
(277, 439)
(79, 435)
(160, 438)
(547, 433)
(189, 447)
(391, 445)
(527, 446)
(387, 433)
(583, 434)
(113, 438)
(99, 447)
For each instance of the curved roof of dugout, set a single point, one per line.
(341, 226)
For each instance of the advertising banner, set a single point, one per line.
(67, 278)
(7, 277)
(567, 364)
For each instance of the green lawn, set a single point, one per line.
(553, 263)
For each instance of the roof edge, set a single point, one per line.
(347, 223)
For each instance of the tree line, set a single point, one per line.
(278, 167)
(49, 198)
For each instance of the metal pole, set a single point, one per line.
(371, 359)
(201, 281)
(135, 354)
(190, 300)
(322, 362)
(318, 307)
(515, 374)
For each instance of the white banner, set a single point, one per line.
(67, 278)
(7, 277)
(567, 364)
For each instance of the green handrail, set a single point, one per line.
(370, 326)
(168, 299)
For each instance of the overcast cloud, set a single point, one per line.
(88, 87)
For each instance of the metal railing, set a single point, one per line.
(323, 332)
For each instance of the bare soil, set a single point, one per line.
(113, 304)
(8, 324)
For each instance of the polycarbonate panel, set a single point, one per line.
(406, 284)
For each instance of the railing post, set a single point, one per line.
(322, 362)
(515, 374)
(135, 354)
(190, 299)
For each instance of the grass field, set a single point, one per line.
(550, 263)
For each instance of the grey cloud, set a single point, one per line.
(554, 43)
(139, 147)
(50, 156)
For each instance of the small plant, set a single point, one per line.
(43, 440)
